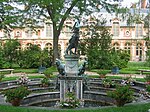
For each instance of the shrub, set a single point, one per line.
(108, 82)
(147, 78)
(102, 73)
(1, 77)
(16, 93)
(49, 71)
(122, 95)
(148, 88)
(45, 81)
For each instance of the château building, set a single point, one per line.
(125, 37)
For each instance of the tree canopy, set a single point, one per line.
(57, 11)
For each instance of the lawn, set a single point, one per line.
(127, 108)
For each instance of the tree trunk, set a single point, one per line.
(55, 44)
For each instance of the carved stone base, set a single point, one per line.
(71, 65)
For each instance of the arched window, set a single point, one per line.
(49, 46)
(139, 51)
(127, 48)
(116, 46)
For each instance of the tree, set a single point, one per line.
(8, 16)
(33, 57)
(10, 52)
(58, 11)
(97, 42)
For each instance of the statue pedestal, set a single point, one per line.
(71, 65)
(71, 82)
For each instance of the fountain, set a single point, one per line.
(70, 75)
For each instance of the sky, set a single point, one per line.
(128, 2)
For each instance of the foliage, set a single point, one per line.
(1, 77)
(33, 57)
(45, 81)
(70, 102)
(147, 77)
(10, 52)
(103, 72)
(97, 53)
(122, 95)
(56, 13)
(49, 71)
(19, 92)
(8, 16)
(148, 88)
(107, 82)
(119, 58)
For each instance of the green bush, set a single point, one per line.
(19, 92)
(148, 88)
(122, 95)
(1, 77)
(147, 78)
(49, 71)
(45, 81)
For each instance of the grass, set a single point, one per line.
(132, 68)
(26, 70)
(127, 108)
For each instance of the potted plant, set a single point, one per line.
(14, 96)
(122, 95)
(102, 73)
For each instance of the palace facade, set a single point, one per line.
(125, 37)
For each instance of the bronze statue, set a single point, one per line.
(82, 68)
(73, 42)
(60, 67)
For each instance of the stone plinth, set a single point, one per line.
(70, 84)
(71, 65)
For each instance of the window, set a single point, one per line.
(127, 48)
(48, 46)
(17, 33)
(116, 46)
(138, 30)
(139, 51)
(29, 33)
(116, 28)
(48, 30)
